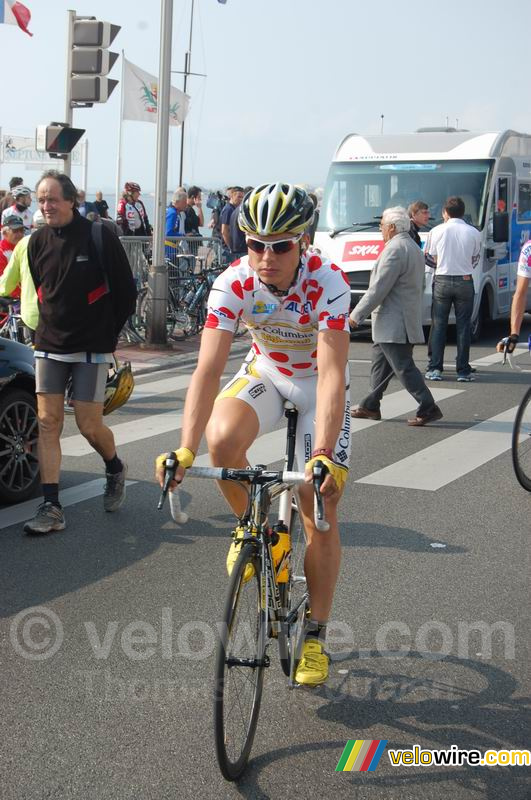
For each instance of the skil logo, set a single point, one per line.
(362, 251)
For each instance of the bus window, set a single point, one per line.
(524, 201)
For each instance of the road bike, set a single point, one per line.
(11, 324)
(267, 598)
(521, 438)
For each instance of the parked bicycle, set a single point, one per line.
(267, 596)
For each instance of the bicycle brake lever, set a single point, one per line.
(319, 474)
(170, 468)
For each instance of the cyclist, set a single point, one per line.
(519, 304)
(295, 306)
(131, 214)
(20, 207)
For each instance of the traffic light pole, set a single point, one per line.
(158, 273)
(69, 116)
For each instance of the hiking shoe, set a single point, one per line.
(48, 518)
(313, 666)
(114, 494)
(425, 419)
(365, 413)
(465, 378)
(433, 375)
(234, 552)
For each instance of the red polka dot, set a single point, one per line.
(249, 284)
(237, 289)
(314, 354)
(304, 320)
(304, 285)
(334, 267)
(285, 371)
(304, 365)
(240, 312)
(314, 263)
(323, 315)
(236, 263)
(256, 349)
(211, 321)
(335, 324)
(228, 313)
(293, 298)
(279, 357)
(314, 297)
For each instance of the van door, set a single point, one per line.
(503, 202)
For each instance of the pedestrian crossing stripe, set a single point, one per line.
(361, 755)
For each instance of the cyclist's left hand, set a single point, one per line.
(335, 479)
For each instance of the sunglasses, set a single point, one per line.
(279, 247)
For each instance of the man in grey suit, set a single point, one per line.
(394, 298)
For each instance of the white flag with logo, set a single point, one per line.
(141, 97)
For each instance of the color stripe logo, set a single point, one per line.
(361, 755)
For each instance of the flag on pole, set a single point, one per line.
(140, 100)
(14, 13)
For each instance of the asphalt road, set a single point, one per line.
(106, 686)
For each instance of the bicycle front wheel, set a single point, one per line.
(521, 444)
(240, 663)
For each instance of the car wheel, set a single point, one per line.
(19, 465)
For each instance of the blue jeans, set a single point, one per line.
(451, 290)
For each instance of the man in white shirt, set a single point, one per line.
(455, 248)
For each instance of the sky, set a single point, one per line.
(286, 81)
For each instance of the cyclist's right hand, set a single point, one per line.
(507, 344)
(185, 459)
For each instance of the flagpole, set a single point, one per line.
(158, 274)
(120, 136)
(187, 64)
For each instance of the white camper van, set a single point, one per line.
(491, 172)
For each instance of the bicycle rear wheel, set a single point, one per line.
(293, 597)
(240, 663)
(521, 444)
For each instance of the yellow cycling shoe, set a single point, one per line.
(234, 552)
(313, 666)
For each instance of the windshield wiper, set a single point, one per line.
(371, 224)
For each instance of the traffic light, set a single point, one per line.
(90, 61)
(57, 138)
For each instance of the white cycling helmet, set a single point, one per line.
(21, 191)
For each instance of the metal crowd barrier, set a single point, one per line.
(184, 255)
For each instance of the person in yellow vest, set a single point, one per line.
(17, 273)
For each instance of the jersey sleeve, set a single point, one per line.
(333, 302)
(524, 262)
(225, 302)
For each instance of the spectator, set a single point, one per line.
(237, 236)
(419, 214)
(12, 233)
(102, 207)
(86, 292)
(235, 198)
(216, 201)
(394, 298)
(175, 213)
(8, 199)
(20, 207)
(455, 247)
(193, 213)
(83, 206)
(17, 274)
(131, 214)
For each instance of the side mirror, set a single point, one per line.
(500, 227)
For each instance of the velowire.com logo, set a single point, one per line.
(361, 755)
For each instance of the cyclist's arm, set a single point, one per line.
(519, 303)
(332, 355)
(204, 386)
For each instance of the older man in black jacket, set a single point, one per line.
(85, 291)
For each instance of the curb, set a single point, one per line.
(185, 360)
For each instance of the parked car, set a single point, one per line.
(19, 466)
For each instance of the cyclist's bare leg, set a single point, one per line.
(89, 419)
(323, 553)
(50, 411)
(231, 430)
